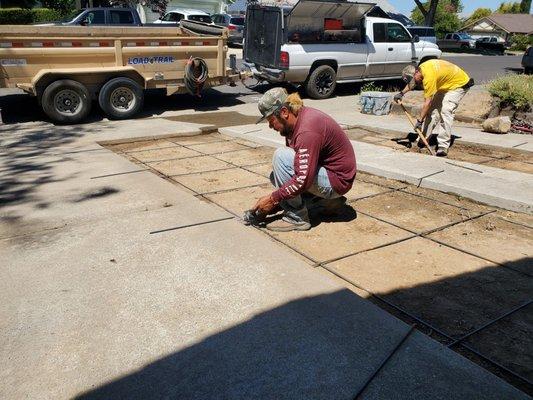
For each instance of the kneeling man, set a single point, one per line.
(318, 160)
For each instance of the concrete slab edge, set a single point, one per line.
(204, 130)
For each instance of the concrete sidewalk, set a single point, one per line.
(510, 190)
(118, 284)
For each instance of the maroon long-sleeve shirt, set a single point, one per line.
(318, 142)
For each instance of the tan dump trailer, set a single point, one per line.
(67, 68)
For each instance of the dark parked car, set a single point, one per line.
(235, 25)
(527, 61)
(105, 16)
(491, 44)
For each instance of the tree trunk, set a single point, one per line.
(525, 6)
(430, 17)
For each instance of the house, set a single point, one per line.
(502, 26)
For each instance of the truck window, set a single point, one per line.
(173, 17)
(237, 21)
(397, 33)
(120, 17)
(217, 19)
(200, 18)
(96, 17)
(431, 32)
(448, 36)
(455, 37)
(380, 33)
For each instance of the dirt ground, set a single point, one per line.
(511, 159)
(446, 263)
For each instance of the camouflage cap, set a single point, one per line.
(271, 102)
(408, 74)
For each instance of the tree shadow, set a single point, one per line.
(29, 159)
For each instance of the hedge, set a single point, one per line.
(21, 16)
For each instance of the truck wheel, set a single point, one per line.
(464, 47)
(321, 82)
(66, 101)
(121, 98)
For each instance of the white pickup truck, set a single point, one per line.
(319, 43)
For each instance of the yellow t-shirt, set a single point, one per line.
(440, 75)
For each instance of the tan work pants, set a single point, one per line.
(443, 105)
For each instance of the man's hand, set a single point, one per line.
(265, 204)
(418, 125)
(398, 97)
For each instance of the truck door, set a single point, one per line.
(400, 50)
(377, 50)
(264, 35)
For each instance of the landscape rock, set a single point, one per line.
(497, 125)
(474, 107)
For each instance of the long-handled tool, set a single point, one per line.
(418, 131)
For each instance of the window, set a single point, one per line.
(96, 17)
(455, 37)
(448, 36)
(200, 18)
(431, 32)
(237, 21)
(397, 33)
(172, 17)
(380, 35)
(120, 17)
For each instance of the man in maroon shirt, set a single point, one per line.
(319, 159)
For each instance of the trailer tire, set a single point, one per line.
(321, 82)
(66, 101)
(121, 98)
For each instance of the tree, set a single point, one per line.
(478, 14)
(63, 6)
(509, 8)
(446, 17)
(428, 11)
(159, 6)
(525, 6)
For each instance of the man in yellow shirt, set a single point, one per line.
(445, 84)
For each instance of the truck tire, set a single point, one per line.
(321, 82)
(66, 101)
(121, 98)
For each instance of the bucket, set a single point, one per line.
(376, 103)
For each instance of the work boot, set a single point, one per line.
(442, 152)
(330, 207)
(287, 224)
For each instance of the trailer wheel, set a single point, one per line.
(121, 98)
(321, 82)
(66, 101)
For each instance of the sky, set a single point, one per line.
(405, 6)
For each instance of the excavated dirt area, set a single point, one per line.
(459, 270)
(511, 159)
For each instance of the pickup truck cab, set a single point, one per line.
(320, 43)
(105, 16)
(457, 41)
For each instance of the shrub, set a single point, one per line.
(15, 16)
(45, 15)
(521, 42)
(514, 90)
(20, 16)
(371, 87)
